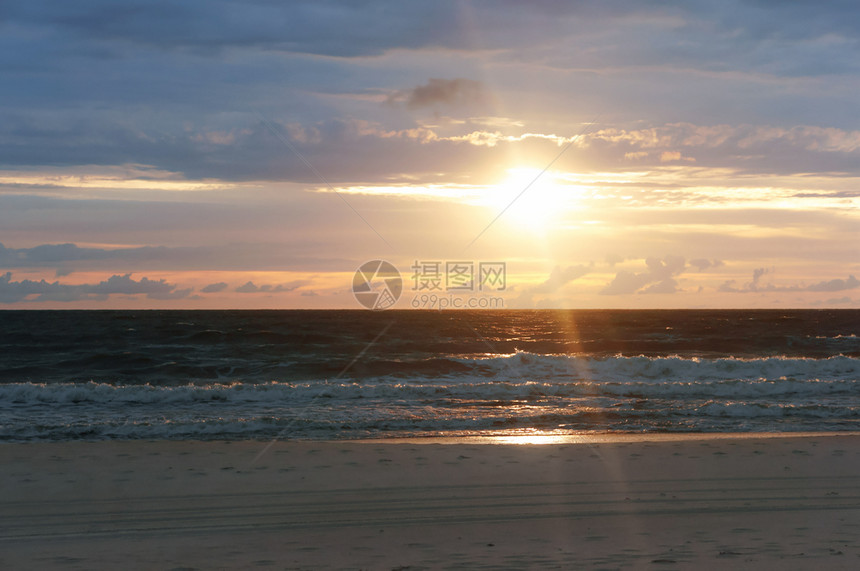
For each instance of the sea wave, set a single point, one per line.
(669, 368)
(521, 375)
(481, 394)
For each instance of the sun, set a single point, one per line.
(531, 198)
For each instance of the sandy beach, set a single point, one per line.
(604, 503)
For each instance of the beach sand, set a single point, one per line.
(606, 503)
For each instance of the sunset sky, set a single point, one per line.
(253, 154)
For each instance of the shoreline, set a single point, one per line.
(608, 437)
(532, 438)
(691, 500)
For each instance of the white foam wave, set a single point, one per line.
(672, 368)
(637, 377)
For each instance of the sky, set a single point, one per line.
(255, 154)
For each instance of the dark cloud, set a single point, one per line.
(248, 287)
(779, 20)
(339, 149)
(173, 84)
(836, 284)
(53, 254)
(227, 257)
(101, 29)
(214, 288)
(175, 294)
(334, 27)
(16, 291)
(353, 29)
(457, 92)
(251, 287)
(658, 278)
(350, 150)
(290, 286)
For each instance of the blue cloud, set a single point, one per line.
(41, 291)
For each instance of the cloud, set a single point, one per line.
(752, 32)
(491, 139)
(558, 278)
(836, 285)
(668, 285)
(658, 278)
(290, 286)
(47, 254)
(457, 92)
(635, 155)
(626, 282)
(670, 157)
(349, 149)
(227, 257)
(53, 255)
(214, 288)
(331, 28)
(251, 287)
(754, 148)
(702, 264)
(191, 61)
(757, 274)
(833, 285)
(613, 259)
(175, 294)
(248, 287)
(839, 301)
(16, 291)
(753, 286)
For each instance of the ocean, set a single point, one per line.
(236, 375)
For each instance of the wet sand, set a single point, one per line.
(702, 501)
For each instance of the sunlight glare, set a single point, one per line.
(538, 438)
(541, 206)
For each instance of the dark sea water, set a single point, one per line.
(68, 375)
